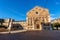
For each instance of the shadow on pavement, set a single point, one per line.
(32, 35)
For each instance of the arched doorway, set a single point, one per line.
(37, 26)
(37, 23)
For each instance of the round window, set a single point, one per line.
(36, 12)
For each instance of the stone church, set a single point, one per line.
(37, 18)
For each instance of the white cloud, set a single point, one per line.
(52, 18)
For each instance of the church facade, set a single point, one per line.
(38, 18)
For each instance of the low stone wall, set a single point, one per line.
(8, 32)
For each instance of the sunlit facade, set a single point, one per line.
(38, 18)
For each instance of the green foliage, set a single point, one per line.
(55, 25)
(1, 20)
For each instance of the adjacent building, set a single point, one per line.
(57, 20)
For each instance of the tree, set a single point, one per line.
(53, 25)
(57, 25)
(1, 21)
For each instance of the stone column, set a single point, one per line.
(49, 19)
(10, 25)
(33, 23)
(40, 26)
(27, 23)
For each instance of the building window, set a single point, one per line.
(46, 24)
(36, 8)
(44, 28)
(47, 19)
(42, 19)
(36, 12)
(32, 10)
(29, 21)
(48, 28)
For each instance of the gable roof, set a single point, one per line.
(38, 8)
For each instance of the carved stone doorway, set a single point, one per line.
(37, 26)
(37, 23)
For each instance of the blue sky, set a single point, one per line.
(17, 9)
